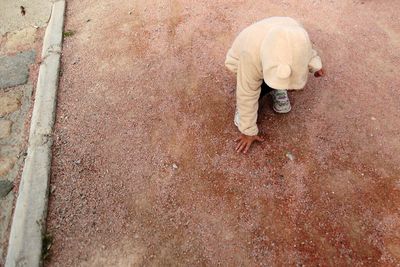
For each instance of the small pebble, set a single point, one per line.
(174, 166)
(290, 156)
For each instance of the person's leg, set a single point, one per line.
(281, 102)
(265, 89)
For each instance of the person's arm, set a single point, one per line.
(315, 65)
(247, 95)
(231, 61)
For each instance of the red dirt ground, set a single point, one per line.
(144, 87)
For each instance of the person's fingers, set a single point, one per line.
(247, 147)
(320, 73)
(238, 145)
(238, 148)
(238, 139)
(242, 146)
(259, 138)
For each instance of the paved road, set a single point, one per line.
(20, 40)
(144, 169)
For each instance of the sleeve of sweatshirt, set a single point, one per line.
(247, 95)
(315, 62)
(231, 61)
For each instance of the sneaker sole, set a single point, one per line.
(282, 111)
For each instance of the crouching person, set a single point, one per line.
(271, 56)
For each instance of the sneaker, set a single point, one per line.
(281, 101)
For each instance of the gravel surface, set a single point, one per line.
(144, 168)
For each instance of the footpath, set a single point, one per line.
(22, 25)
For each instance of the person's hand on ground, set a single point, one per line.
(319, 73)
(245, 141)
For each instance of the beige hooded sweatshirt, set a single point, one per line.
(276, 50)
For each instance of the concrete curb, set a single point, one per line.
(28, 226)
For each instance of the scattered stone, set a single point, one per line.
(5, 128)
(6, 164)
(23, 11)
(52, 189)
(14, 70)
(290, 156)
(9, 103)
(5, 188)
(19, 40)
(22, 154)
(174, 166)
